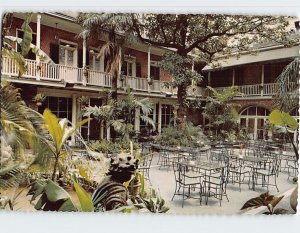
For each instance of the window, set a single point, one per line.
(95, 63)
(254, 119)
(129, 66)
(60, 106)
(167, 115)
(67, 53)
(30, 55)
(155, 70)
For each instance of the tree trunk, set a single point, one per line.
(114, 86)
(182, 109)
(55, 168)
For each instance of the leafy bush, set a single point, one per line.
(109, 147)
(188, 136)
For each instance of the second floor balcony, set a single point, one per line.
(51, 74)
(43, 72)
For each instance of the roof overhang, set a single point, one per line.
(269, 54)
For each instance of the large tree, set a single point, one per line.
(204, 34)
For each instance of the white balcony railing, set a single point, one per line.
(267, 89)
(136, 83)
(70, 74)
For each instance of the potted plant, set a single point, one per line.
(150, 80)
(39, 99)
(84, 101)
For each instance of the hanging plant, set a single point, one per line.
(39, 99)
(84, 101)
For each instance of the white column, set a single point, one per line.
(84, 81)
(233, 77)
(148, 66)
(107, 133)
(208, 79)
(159, 118)
(74, 115)
(38, 43)
(137, 120)
(120, 65)
(101, 131)
(262, 79)
(154, 116)
(193, 69)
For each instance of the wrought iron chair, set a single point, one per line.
(145, 165)
(271, 170)
(187, 181)
(215, 185)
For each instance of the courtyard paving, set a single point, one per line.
(163, 180)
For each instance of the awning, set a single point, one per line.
(262, 56)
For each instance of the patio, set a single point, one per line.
(162, 179)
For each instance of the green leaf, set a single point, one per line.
(27, 37)
(283, 119)
(276, 200)
(84, 198)
(55, 131)
(83, 173)
(280, 211)
(54, 192)
(253, 202)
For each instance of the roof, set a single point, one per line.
(278, 52)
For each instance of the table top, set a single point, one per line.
(249, 158)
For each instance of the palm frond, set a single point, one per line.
(288, 82)
(9, 176)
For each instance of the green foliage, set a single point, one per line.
(84, 100)
(222, 114)
(52, 197)
(179, 67)
(283, 119)
(59, 133)
(84, 198)
(268, 201)
(39, 97)
(27, 38)
(10, 176)
(120, 114)
(109, 147)
(285, 123)
(189, 135)
(288, 82)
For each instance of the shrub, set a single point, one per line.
(188, 136)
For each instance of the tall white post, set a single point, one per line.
(154, 116)
(159, 117)
(262, 79)
(107, 133)
(38, 44)
(148, 66)
(74, 115)
(84, 77)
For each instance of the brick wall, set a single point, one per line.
(242, 104)
(248, 74)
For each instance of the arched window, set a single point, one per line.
(253, 119)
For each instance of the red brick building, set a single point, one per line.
(64, 83)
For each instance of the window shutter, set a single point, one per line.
(138, 70)
(79, 58)
(54, 52)
(87, 57)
